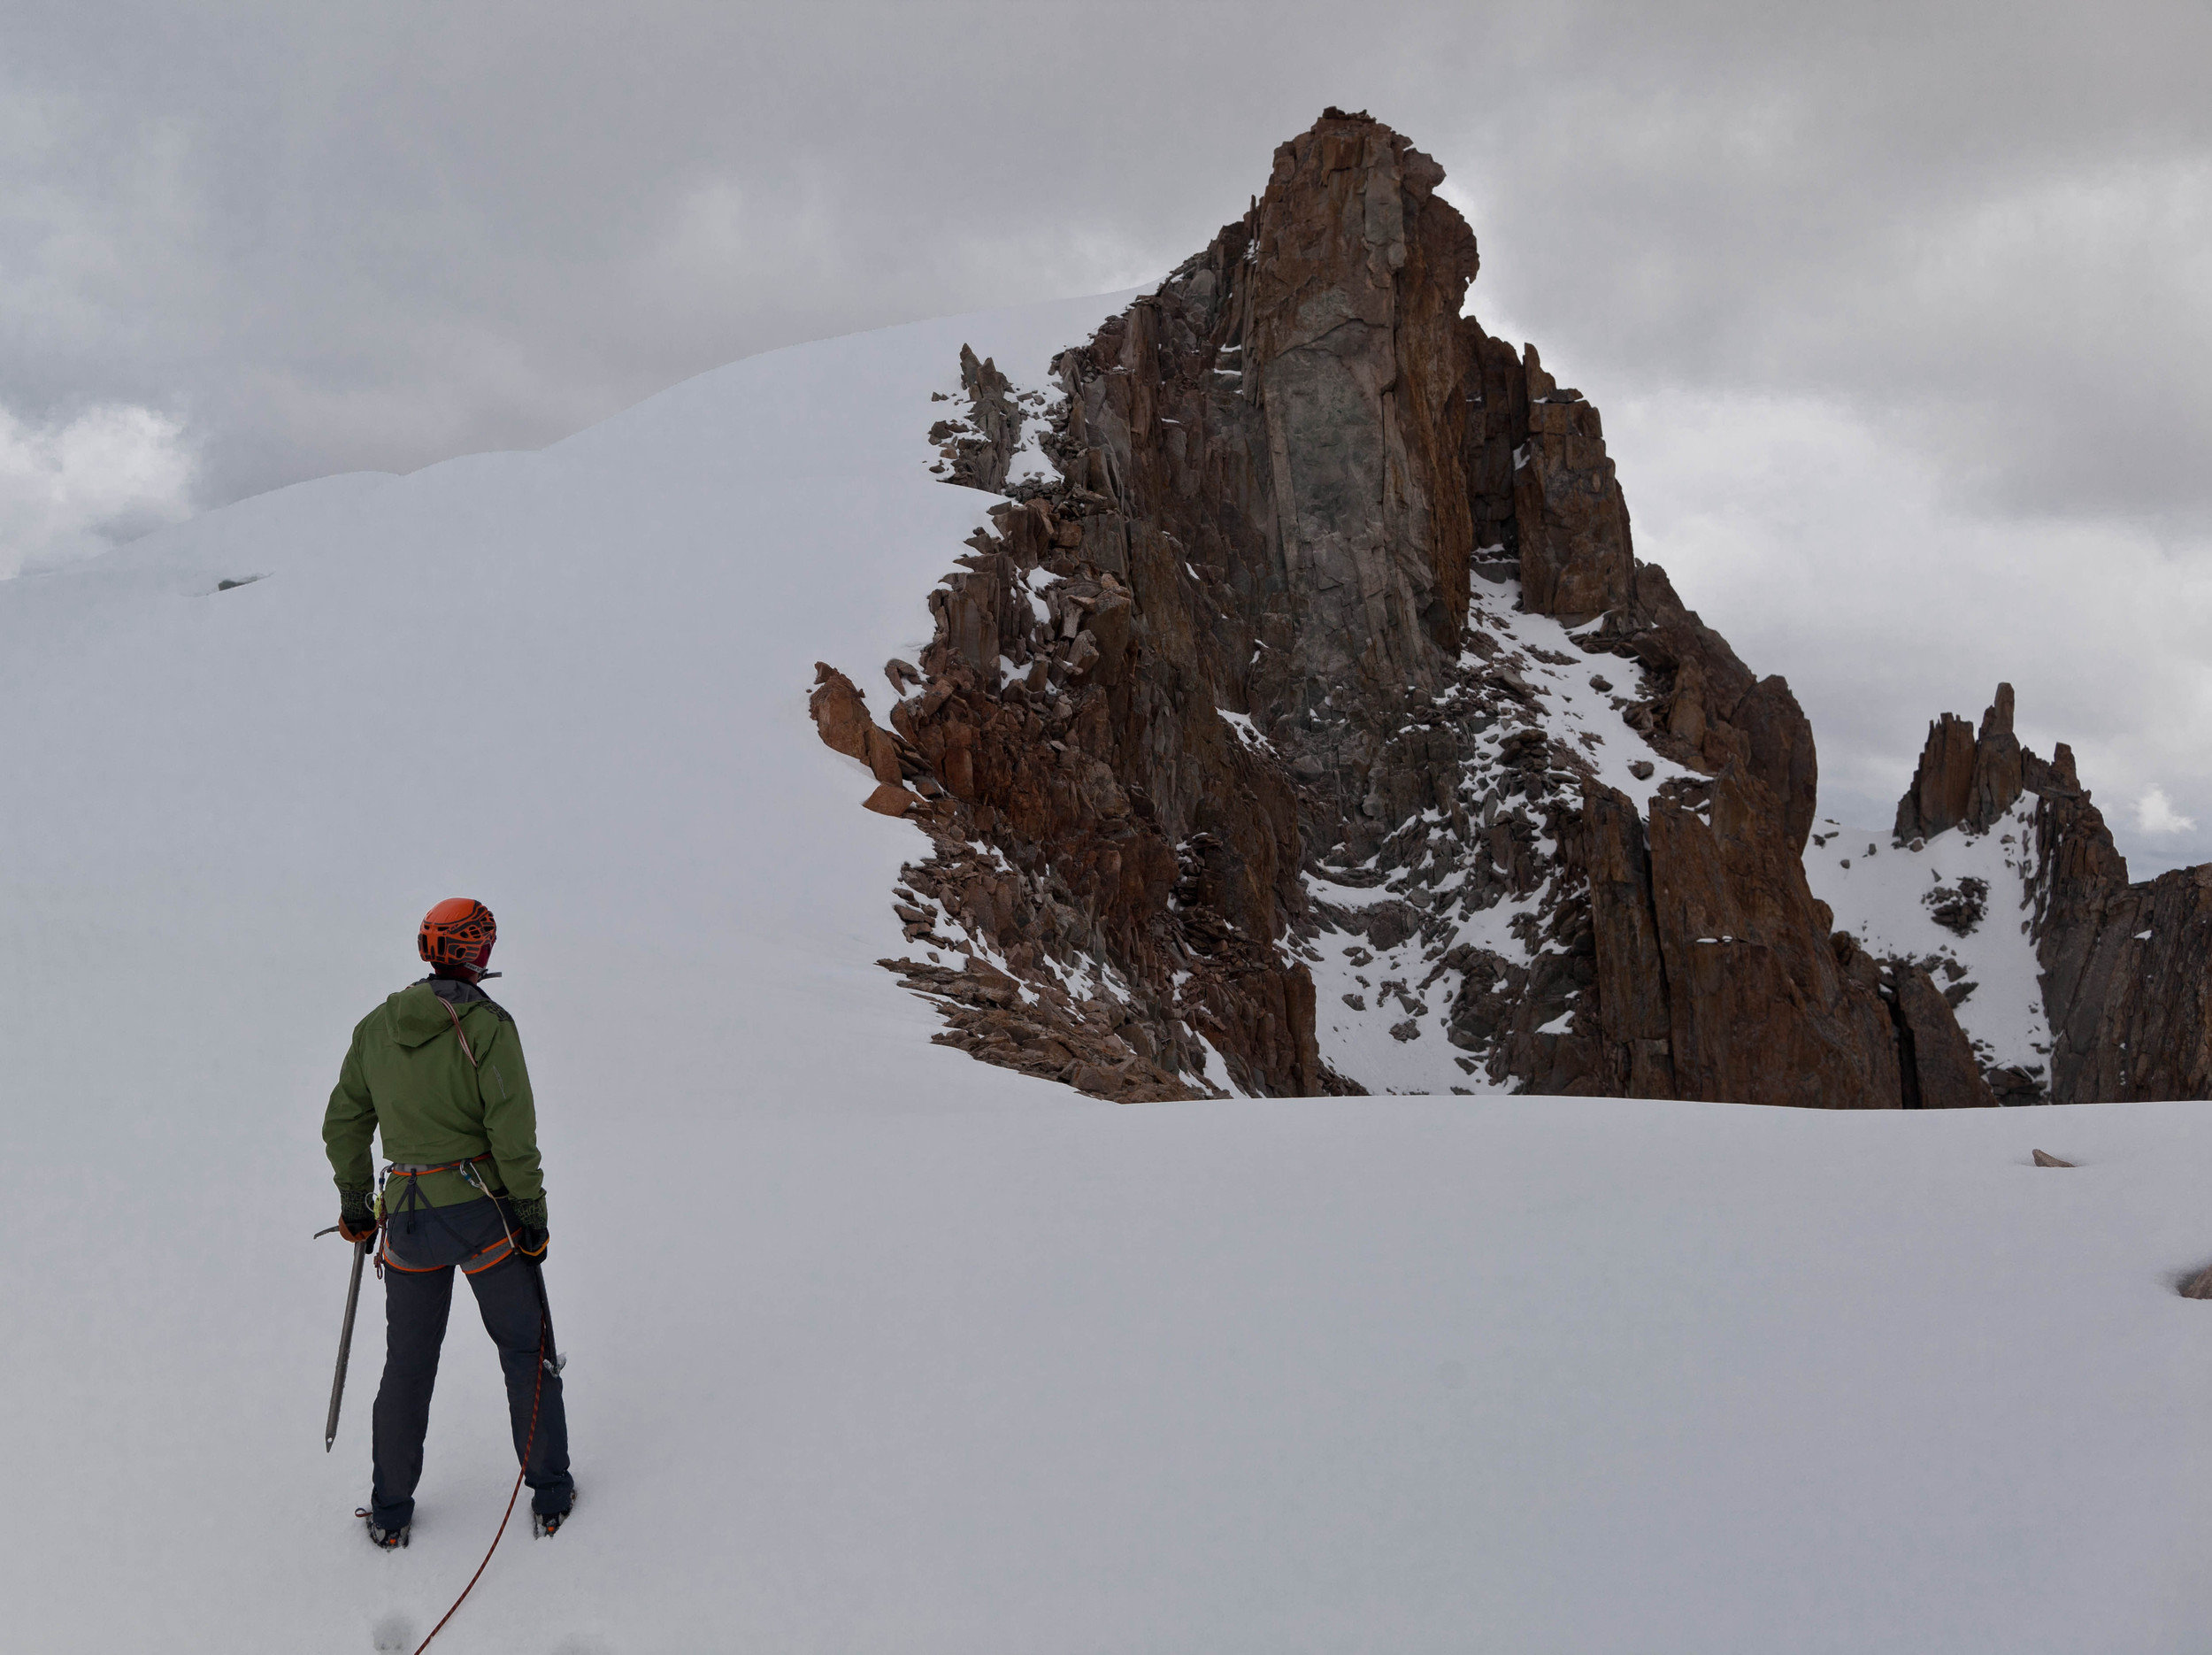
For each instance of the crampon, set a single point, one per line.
(389, 1539)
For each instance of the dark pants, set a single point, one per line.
(416, 1304)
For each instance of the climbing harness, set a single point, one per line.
(410, 1203)
(549, 1360)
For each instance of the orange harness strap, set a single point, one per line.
(503, 1248)
(450, 1167)
(384, 1256)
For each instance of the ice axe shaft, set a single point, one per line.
(552, 1358)
(345, 1345)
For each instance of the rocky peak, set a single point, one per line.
(1344, 319)
(1288, 411)
(1284, 724)
(2120, 966)
(1963, 778)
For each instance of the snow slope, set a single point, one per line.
(1881, 892)
(874, 1347)
(1398, 1039)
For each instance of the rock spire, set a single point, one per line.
(2125, 966)
(1963, 779)
(1304, 668)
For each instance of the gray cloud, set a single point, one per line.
(1929, 284)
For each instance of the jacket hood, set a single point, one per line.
(416, 1014)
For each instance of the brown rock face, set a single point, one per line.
(1349, 333)
(1284, 427)
(1635, 1017)
(1963, 778)
(1942, 784)
(1038, 1027)
(1758, 1009)
(1225, 704)
(840, 715)
(1576, 559)
(2127, 969)
(1711, 710)
(1939, 1069)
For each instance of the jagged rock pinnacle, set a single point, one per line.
(1287, 678)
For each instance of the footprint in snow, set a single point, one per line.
(393, 1632)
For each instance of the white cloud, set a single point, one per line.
(71, 488)
(2155, 812)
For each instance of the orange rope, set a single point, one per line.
(529, 1442)
(456, 1016)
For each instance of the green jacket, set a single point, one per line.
(407, 1075)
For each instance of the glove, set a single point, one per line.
(356, 1217)
(530, 1228)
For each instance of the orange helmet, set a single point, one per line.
(458, 931)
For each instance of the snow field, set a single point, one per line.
(1405, 1374)
(873, 1347)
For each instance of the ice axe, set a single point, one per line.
(550, 1356)
(345, 1337)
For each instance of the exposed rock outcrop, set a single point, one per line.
(1306, 663)
(2126, 968)
(1570, 522)
(978, 451)
(1937, 1063)
(1759, 1008)
(1962, 779)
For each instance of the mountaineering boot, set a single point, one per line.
(387, 1539)
(544, 1523)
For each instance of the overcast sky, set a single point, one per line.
(1900, 317)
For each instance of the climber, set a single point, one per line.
(438, 1070)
